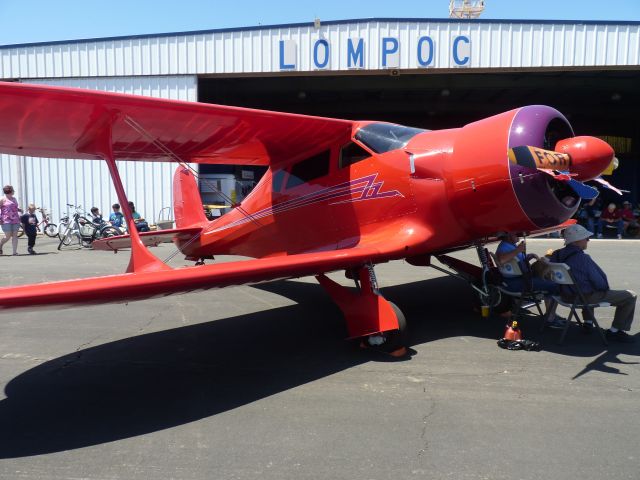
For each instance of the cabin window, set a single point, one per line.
(309, 169)
(352, 153)
(276, 181)
(384, 137)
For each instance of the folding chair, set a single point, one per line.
(561, 274)
(528, 295)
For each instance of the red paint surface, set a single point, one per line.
(373, 211)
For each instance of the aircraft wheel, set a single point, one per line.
(492, 298)
(393, 342)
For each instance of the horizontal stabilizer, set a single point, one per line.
(150, 239)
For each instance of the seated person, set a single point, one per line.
(117, 218)
(587, 214)
(610, 216)
(141, 224)
(97, 216)
(508, 249)
(631, 225)
(593, 283)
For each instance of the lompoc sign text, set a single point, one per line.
(421, 54)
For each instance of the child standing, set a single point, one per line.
(29, 222)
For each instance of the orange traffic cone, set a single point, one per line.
(513, 332)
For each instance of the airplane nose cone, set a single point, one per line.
(590, 156)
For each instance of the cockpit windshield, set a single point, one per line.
(384, 137)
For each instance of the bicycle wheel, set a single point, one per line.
(68, 237)
(20, 231)
(51, 230)
(62, 228)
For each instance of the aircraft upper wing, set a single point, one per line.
(142, 285)
(45, 121)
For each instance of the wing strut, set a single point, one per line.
(98, 141)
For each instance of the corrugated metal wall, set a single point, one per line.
(166, 66)
(239, 51)
(53, 183)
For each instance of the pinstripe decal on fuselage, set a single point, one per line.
(358, 190)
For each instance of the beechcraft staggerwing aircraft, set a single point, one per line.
(337, 194)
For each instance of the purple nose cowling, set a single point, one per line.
(538, 126)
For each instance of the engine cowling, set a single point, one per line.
(489, 191)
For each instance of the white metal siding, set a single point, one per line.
(493, 45)
(53, 183)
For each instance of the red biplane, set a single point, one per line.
(337, 194)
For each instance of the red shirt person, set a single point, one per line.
(610, 216)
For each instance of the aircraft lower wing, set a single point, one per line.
(149, 239)
(143, 285)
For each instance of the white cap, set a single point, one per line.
(575, 233)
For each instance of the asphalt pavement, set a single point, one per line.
(259, 383)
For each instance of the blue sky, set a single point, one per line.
(27, 21)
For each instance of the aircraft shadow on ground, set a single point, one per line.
(160, 380)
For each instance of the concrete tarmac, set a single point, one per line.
(258, 383)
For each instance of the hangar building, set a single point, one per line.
(429, 73)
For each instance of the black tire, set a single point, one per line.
(51, 230)
(20, 231)
(397, 338)
(62, 228)
(109, 232)
(68, 238)
(393, 340)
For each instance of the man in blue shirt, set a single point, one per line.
(593, 283)
(507, 250)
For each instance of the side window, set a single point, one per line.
(276, 181)
(306, 170)
(352, 153)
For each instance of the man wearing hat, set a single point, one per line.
(631, 225)
(593, 283)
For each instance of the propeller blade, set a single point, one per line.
(606, 184)
(584, 191)
(539, 158)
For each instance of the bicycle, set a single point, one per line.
(64, 220)
(85, 231)
(49, 229)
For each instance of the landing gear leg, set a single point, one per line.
(379, 323)
(489, 294)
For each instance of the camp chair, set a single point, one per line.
(561, 274)
(524, 299)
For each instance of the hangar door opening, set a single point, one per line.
(598, 102)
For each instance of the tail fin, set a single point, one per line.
(187, 203)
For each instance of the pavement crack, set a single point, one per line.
(79, 352)
(425, 423)
(145, 325)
